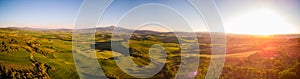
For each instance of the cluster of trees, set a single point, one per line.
(248, 72)
(102, 37)
(11, 73)
(15, 74)
(13, 41)
(41, 70)
(284, 64)
(9, 44)
(37, 48)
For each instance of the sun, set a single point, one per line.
(259, 22)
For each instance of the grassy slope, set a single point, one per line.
(53, 48)
(48, 48)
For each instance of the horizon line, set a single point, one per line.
(36, 28)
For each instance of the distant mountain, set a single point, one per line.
(39, 29)
(288, 36)
(109, 29)
(125, 30)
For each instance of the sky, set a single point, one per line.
(234, 13)
(39, 12)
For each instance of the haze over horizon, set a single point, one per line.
(263, 17)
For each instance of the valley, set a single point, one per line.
(35, 53)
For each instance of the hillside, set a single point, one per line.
(44, 53)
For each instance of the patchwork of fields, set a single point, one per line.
(36, 53)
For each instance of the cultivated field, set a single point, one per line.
(38, 53)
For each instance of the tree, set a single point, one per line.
(287, 74)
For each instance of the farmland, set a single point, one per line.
(41, 53)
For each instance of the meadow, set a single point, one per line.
(47, 54)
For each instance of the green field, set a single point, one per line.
(32, 53)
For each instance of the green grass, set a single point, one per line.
(17, 60)
(54, 49)
(62, 66)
